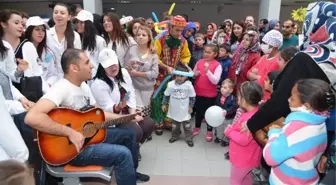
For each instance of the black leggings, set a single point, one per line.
(202, 104)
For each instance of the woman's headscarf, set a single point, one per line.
(189, 26)
(273, 38)
(319, 31)
(242, 53)
(272, 24)
(214, 27)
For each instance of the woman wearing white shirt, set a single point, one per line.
(92, 44)
(10, 32)
(116, 38)
(12, 145)
(61, 36)
(113, 90)
(15, 101)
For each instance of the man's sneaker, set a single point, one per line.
(141, 177)
(196, 131)
(209, 136)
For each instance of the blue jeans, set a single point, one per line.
(119, 150)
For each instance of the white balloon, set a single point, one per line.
(215, 116)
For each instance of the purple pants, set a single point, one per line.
(241, 176)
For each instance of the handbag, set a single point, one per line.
(31, 88)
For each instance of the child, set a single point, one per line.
(268, 86)
(245, 152)
(298, 146)
(224, 60)
(286, 55)
(197, 53)
(181, 102)
(227, 102)
(207, 74)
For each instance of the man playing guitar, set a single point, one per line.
(119, 147)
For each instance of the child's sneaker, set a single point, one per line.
(190, 143)
(209, 136)
(196, 131)
(227, 156)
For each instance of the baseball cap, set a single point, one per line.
(107, 57)
(84, 15)
(36, 21)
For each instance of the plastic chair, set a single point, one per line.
(71, 174)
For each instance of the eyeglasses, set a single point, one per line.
(287, 27)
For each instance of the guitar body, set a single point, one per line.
(58, 150)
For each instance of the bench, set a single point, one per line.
(71, 174)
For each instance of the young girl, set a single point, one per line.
(92, 43)
(245, 152)
(207, 72)
(298, 146)
(143, 66)
(268, 84)
(286, 55)
(62, 36)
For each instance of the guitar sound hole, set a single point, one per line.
(89, 130)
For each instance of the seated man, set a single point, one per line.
(12, 145)
(119, 148)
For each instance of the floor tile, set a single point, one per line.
(168, 167)
(220, 168)
(196, 168)
(193, 154)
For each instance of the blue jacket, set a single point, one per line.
(226, 63)
(230, 105)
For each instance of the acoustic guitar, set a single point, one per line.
(58, 150)
(261, 135)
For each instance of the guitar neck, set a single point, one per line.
(124, 119)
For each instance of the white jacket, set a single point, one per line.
(12, 145)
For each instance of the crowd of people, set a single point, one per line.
(277, 94)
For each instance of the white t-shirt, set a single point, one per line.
(179, 100)
(65, 94)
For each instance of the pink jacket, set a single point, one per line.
(244, 151)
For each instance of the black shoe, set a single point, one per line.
(224, 143)
(172, 140)
(227, 155)
(217, 140)
(190, 143)
(159, 132)
(141, 177)
(149, 138)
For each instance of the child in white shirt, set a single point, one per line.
(181, 96)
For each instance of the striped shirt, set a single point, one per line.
(294, 151)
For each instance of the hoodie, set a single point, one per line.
(190, 39)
